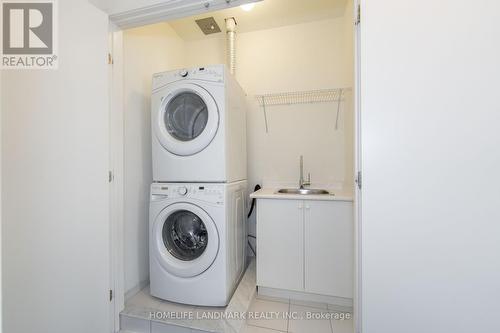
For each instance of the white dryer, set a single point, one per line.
(197, 241)
(198, 126)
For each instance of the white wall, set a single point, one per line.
(315, 55)
(301, 57)
(55, 233)
(430, 134)
(146, 51)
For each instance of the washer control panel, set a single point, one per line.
(214, 73)
(212, 193)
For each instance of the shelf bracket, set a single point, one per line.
(338, 109)
(265, 114)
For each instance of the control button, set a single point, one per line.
(182, 190)
(183, 73)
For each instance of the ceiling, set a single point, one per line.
(266, 14)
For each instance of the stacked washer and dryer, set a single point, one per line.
(197, 205)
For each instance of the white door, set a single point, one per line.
(280, 240)
(431, 186)
(185, 240)
(187, 119)
(55, 190)
(328, 248)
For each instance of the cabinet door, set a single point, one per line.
(329, 248)
(280, 244)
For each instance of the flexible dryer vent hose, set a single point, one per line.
(257, 187)
(231, 44)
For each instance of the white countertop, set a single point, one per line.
(271, 193)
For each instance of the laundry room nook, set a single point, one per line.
(249, 166)
(236, 193)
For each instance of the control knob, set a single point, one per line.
(182, 190)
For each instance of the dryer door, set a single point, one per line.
(185, 240)
(187, 120)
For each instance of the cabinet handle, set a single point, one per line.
(308, 207)
(300, 206)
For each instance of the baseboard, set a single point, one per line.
(302, 296)
(134, 290)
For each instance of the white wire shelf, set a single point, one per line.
(301, 97)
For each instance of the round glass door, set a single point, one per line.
(186, 116)
(185, 235)
(187, 119)
(184, 239)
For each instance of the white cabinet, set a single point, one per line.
(306, 246)
(328, 248)
(280, 245)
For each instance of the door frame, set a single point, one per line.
(358, 295)
(116, 106)
(1, 214)
(116, 181)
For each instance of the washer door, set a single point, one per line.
(185, 240)
(187, 121)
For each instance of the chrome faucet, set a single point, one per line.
(302, 182)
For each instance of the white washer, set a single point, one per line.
(198, 121)
(197, 241)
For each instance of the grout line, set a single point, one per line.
(271, 298)
(288, 317)
(267, 328)
(312, 305)
(273, 301)
(256, 324)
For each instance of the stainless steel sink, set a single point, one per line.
(305, 191)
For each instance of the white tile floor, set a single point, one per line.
(291, 317)
(144, 313)
(283, 316)
(263, 314)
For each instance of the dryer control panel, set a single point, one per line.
(214, 73)
(212, 193)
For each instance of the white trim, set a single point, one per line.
(134, 290)
(170, 10)
(1, 156)
(116, 165)
(357, 168)
(307, 297)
